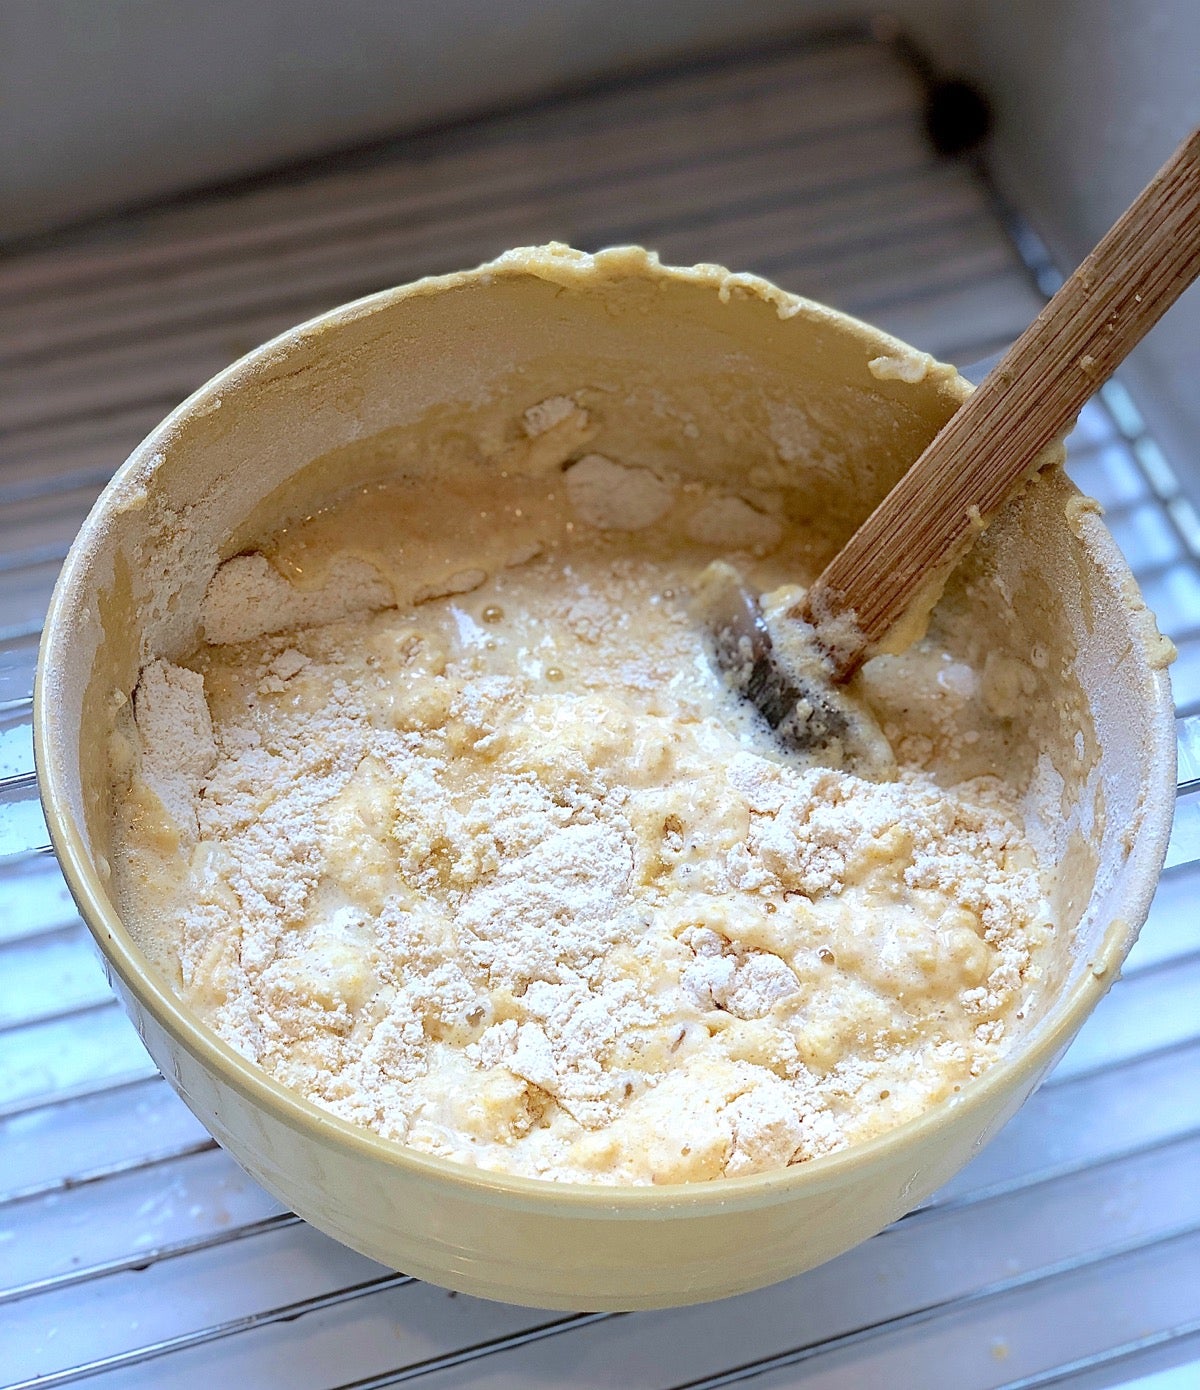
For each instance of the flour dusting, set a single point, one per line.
(502, 875)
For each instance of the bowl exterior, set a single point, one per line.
(599, 1255)
(537, 1243)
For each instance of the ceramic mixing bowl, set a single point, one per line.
(715, 375)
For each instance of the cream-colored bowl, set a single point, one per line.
(700, 371)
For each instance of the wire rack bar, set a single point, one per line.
(806, 162)
(1110, 1358)
(154, 1350)
(925, 1314)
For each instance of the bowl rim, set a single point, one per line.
(1011, 1074)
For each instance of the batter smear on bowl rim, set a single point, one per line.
(454, 825)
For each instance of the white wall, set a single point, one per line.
(103, 102)
(1091, 96)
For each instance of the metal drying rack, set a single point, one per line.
(133, 1252)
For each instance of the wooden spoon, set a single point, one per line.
(901, 556)
(984, 455)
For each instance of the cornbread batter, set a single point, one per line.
(453, 826)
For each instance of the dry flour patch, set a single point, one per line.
(503, 876)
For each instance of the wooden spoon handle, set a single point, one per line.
(984, 454)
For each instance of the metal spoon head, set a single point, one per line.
(787, 681)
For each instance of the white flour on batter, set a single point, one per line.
(501, 875)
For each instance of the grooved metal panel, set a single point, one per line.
(133, 1252)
